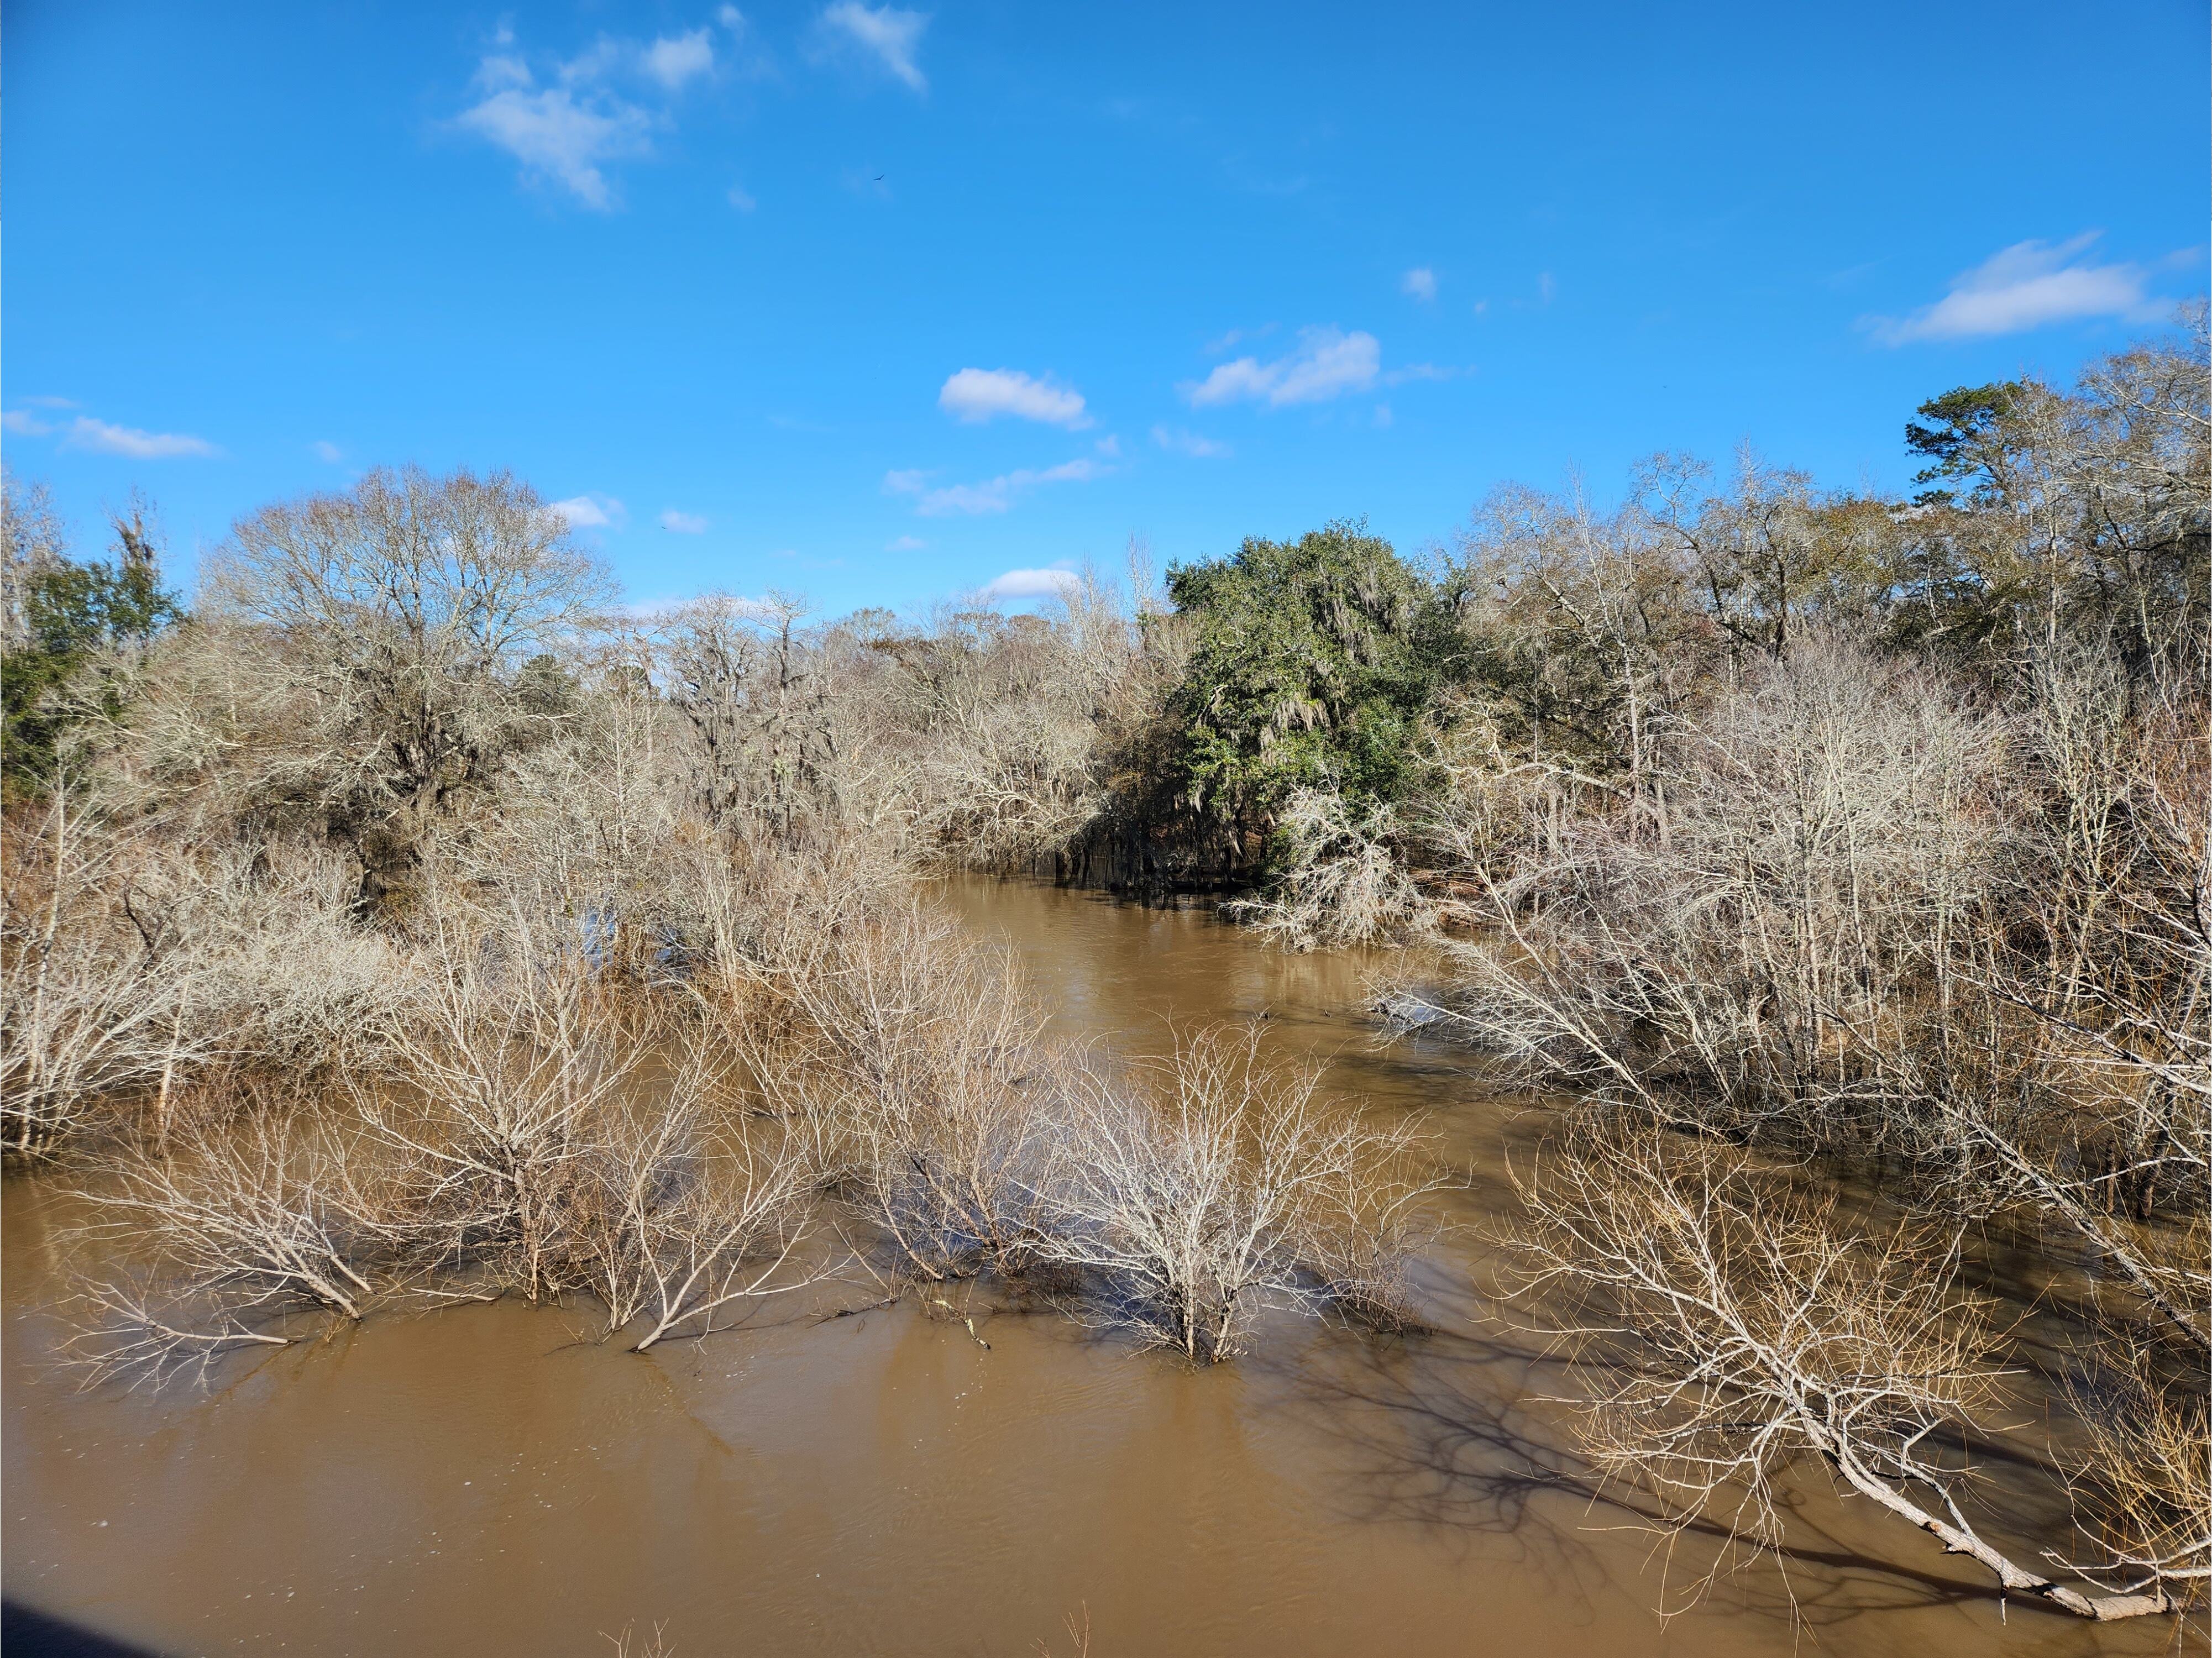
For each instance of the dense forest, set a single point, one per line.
(403, 915)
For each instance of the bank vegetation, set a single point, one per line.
(401, 922)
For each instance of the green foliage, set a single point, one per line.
(1964, 439)
(73, 613)
(1312, 662)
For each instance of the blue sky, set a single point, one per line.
(877, 304)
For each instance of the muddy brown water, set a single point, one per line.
(480, 1481)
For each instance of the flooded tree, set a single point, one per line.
(403, 922)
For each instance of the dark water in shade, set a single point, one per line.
(478, 1481)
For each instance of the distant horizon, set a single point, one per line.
(881, 307)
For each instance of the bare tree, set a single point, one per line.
(1008, 725)
(512, 1058)
(1340, 878)
(1586, 633)
(1728, 1326)
(680, 1225)
(86, 1019)
(1227, 1187)
(752, 687)
(242, 1219)
(388, 637)
(918, 1062)
(1794, 933)
(33, 543)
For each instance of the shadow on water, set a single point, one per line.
(28, 1633)
(1445, 1439)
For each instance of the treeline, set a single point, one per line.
(1787, 832)
(401, 923)
(1815, 842)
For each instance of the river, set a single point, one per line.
(481, 1480)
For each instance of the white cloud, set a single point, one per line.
(1420, 282)
(659, 609)
(24, 424)
(981, 394)
(86, 432)
(590, 512)
(1383, 415)
(742, 199)
(732, 18)
(501, 70)
(673, 59)
(889, 34)
(1422, 370)
(683, 524)
(327, 450)
(1214, 348)
(905, 544)
(1030, 584)
(1328, 363)
(992, 495)
(2026, 286)
(549, 132)
(969, 499)
(1188, 443)
(603, 59)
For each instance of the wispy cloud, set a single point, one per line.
(982, 394)
(1420, 282)
(1030, 584)
(604, 59)
(103, 437)
(98, 435)
(660, 610)
(2026, 286)
(326, 451)
(992, 495)
(886, 34)
(675, 59)
(1328, 363)
(500, 70)
(742, 199)
(1424, 371)
(905, 544)
(683, 524)
(555, 136)
(1178, 441)
(1214, 348)
(598, 106)
(1261, 180)
(590, 512)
